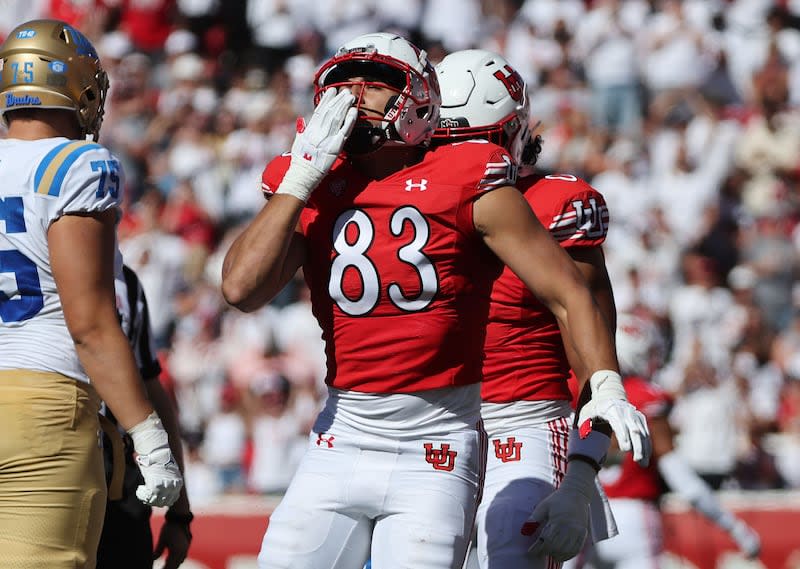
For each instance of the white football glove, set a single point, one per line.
(746, 539)
(162, 478)
(610, 403)
(560, 523)
(318, 143)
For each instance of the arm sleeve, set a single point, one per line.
(685, 482)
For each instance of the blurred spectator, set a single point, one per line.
(195, 360)
(274, 25)
(456, 24)
(688, 185)
(247, 149)
(531, 54)
(147, 23)
(675, 53)
(157, 257)
(277, 435)
(202, 482)
(769, 146)
(766, 248)
(299, 336)
(15, 12)
(89, 16)
(627, 191)
(604, 42)
(546, 15)
(787, 443)
(696, 311)
(739, 318)
(185, 217)
(345, 19)
(224, 442)
(705, 416)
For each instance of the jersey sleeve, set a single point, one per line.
(273, 174)
(573, 211)
(499, 170)
(81, 176)
(481, 165)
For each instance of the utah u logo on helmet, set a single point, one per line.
(48, 64)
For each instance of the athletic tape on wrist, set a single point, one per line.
(593, 447)
(149, 435)
(609, 382)
(300, 180)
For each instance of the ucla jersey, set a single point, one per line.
(41, 181)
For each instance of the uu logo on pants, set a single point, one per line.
(442, 458)
(508, 451)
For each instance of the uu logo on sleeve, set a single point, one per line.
(25, 34)
(57, 66)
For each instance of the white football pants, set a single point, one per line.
(524, 465)
(406, 502)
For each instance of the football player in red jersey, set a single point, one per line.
(526, 397)
(633, 490)
(393, 244)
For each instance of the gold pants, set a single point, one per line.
(52, 484)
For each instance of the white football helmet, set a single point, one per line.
(640, 345)
(484, 97)
(390, 61)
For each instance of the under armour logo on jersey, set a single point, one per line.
(508, 451)
(422, 185)
(323, 438)
(441, 458)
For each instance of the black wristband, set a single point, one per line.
(175, 518)
(587, 459)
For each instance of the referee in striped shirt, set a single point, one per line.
(127, 540)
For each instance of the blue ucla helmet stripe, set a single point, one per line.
(54, 166)
(82, 43)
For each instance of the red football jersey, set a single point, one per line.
(525, 358)
(399, 277)
(629, 480)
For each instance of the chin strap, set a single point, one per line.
(364, 140)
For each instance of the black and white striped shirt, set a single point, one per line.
(135, 322)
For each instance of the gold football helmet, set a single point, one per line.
(48, 64)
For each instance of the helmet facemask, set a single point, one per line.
(409, 116)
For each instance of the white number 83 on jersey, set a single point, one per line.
(356, 255)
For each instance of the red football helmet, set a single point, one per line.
(640, 345)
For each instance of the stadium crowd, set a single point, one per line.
(684, 114)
